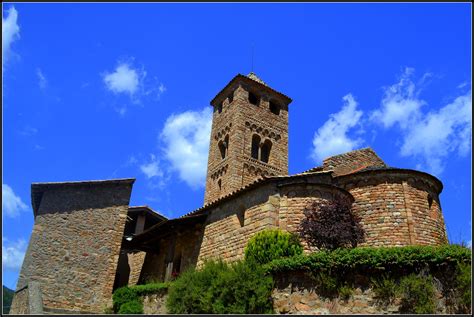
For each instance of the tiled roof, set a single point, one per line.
(249, 186)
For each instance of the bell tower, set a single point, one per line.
(249, 136)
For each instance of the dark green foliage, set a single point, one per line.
(385, 289)
(7, 299)
(328, 284)
(132, 307)
(374, 260)
(345, 292)
(123, 295)
(220, 288)
(151, 288)
(331, 225)
(417, 294)
(128, 294)
(271, 244)
(463, 288)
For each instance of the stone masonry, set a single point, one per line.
(247, 192)
(246, 109)
(87, 241)
(75, 244)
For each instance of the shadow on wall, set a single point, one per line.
(176, 252)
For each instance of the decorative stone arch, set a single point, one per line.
(255, 147)
(224, 147)
(265, 151)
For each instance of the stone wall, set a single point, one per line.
(297, 197)
(75, 244)
(20, 302)
(397, 207)
(231, 224)
(155, 304)
(135, 261)
(296, 293)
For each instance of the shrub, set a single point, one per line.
(151, 288)
(129, 294)
(331, 225)
(345, 292)
(374, 259)
(271, 244)
(385, 290)
(220, 288)
(463, 285)
(132, 307)
(123, 295)
(328, 284)
(417, 294)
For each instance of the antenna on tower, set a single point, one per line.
(252, 59)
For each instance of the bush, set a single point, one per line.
(463, 285)
(127, 294)
(385, 290)
(132, 307)
(220, 288)
(374, 259)
(331, 225)
(271, 244)
(345, 292)
(123, 295)
(417, 294)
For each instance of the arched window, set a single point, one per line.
(224, 147)
(219, 183)
(255, 146)
(265, 151)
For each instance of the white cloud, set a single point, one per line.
(439, 133)
(10, 32)
(186, 144)
(28, 131)
(332, 138)
(121, 110)
(151, 169)
(13, 254)
(12, 205)
(161, 88)
(400, 104)
(431, 136)
(125, 79)
(132, 82)
(42, 81)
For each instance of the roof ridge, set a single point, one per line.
(254, 77)
(352, 151)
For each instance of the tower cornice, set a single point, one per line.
(249, 81)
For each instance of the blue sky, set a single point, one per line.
(99, 91)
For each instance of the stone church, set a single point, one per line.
(87, 240)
